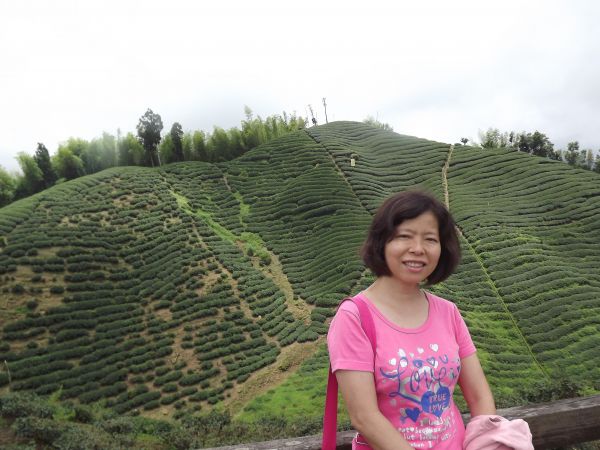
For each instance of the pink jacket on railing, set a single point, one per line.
(488, 432)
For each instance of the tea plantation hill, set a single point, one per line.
(167, 289)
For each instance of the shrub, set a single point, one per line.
(168, 399)
(152, 405)
(40, 429)
(181, 439)
(83, 414)
(57, 289)
(32, 304)
(118, 425)
(80, 438)
(24, 404)
(18, 289)
(170, 387)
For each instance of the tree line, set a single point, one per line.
(148, 147)
(539, 144)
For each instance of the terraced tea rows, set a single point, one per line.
(146, 288)
(534, 224)
(307, 214)
(384, 162)
(136, 288)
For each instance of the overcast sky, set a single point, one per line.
(439, 70)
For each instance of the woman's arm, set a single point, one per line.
(475, 387)
(359, 395)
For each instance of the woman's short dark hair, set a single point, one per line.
(395, 210)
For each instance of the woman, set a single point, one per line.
(401, 398)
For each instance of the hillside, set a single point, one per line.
(173, 288)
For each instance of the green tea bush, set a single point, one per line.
(13, 405)
(42, 430)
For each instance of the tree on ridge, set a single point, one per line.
(177, 138)
(42, 158)
(148, 129)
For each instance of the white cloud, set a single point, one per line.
(437, 69)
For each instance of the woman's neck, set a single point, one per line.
(388, 290)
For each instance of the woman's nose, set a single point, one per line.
(416, 246)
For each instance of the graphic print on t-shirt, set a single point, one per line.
(424, 381)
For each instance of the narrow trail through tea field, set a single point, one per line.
(340, 172)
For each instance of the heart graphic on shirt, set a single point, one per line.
(433, 347)
(413, 413)
(393, 362)
(412, 355)
(420, 350)
(432, 362)
(436, 402)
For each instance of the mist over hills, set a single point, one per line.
(173, 287)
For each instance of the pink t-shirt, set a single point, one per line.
(416, 369)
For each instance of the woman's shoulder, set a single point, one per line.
(441, 303)
(348, 305)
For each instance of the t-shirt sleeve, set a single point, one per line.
(349, 347)
(463, 337)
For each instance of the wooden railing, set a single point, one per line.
(556, 424)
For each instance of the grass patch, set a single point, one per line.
(216, 227)
(244, 208)
(255, 243)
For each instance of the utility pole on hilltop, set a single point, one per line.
(325, 106)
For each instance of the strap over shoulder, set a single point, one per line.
(366, 319)
(330, 414)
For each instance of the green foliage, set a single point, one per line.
(42, 158)
(372, 121)
(131, 151)
(8, 184)
(32, 180)
(166, 150)
(198, 147)
(83, 414)
(177, 139)
(148, 129)
(42, 430)
(558, 388)
(67, 162)
(17, 404)
(79, 156)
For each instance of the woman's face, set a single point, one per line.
(413, 252)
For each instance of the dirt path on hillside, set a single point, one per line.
(270, 377)
(445, 177)
(299, 308)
